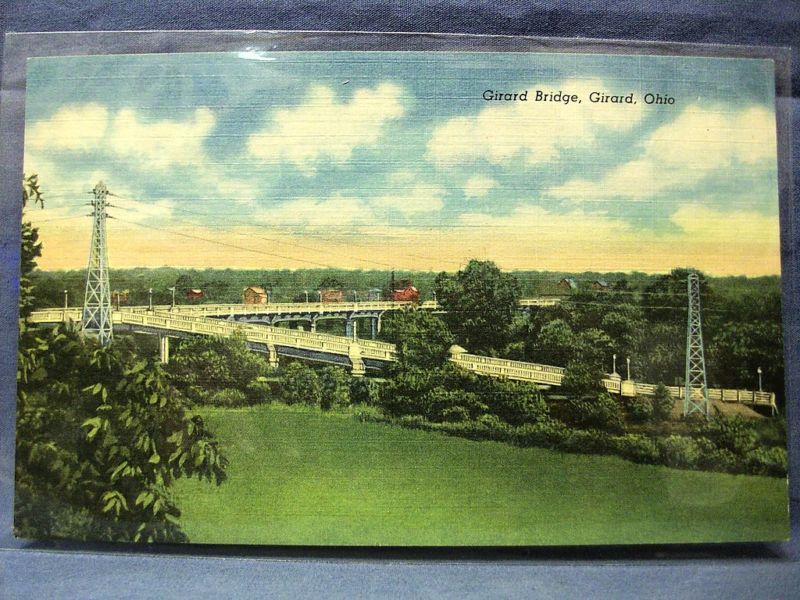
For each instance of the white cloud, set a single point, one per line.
(478, 186)
(323, 127)
(677, 155)
(161, 144)
(719, 242)
(310, 212)
(73, 127)
(409, 196)
(536, 130)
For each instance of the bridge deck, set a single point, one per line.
(178, 321)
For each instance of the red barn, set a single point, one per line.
(194, 294)
(404, 291)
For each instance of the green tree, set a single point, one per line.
(421, 339)
(556, 344)
(480, 301)
(582, 380)
(663, 403)
(203, 365)
(335, 387)
(300, 385)
(738, 349)
(101, 435)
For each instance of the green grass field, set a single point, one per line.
(299, 476)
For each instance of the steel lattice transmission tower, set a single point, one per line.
(696, 393)
(97, 302)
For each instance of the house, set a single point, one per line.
(331, 295)
(567, 284)
(194, 294)
(600, 285)
(404, 291)
(374, 294)
(255, 295)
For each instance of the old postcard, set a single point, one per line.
(401, 298)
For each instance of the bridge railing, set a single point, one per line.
(513, 369)
(55, 315)
(278, 308)
(263, 334)
(497, 367)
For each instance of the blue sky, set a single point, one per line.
(363, 160)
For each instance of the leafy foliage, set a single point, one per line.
(601, 412)
(663, 403)
(300, 384)
(202, 366)
(101, 435)
(335, 387)
(480, 301)
(421, 339)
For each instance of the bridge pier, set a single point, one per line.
(357, 364)
(272, 356)
(373, 326)
(351, 328)
(313, 326)
(163, 348)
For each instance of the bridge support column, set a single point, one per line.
(313, 326)
(373, 326)
(628, 388)
(163, 348)
(272, 356)
(350, 328)
(357, 364)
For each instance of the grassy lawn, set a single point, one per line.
(298, 476)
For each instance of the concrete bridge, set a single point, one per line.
(550, 375)
(356, 354)
(369, 313)
(351, 352)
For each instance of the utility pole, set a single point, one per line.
(696, 391)
(97, 301)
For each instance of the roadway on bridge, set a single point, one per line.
(360, 352)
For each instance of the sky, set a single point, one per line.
(394, 160)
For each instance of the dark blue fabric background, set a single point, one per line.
(741, 571)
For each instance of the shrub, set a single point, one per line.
(455, 414)
(603, 412)
(768, 461)
(369, 414)
(258, 391)
(679, 451)
(549, 433)
(717, 459)
(636, 447)
(405, 393)
(229, 398)
(440, 401)
(215, 363)
(516, 403)
(300, 385)
(335, 387)
(732, 433)
(413, 421)
(640, 409)
(363, 390)
(587, 441)
(663, 403)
